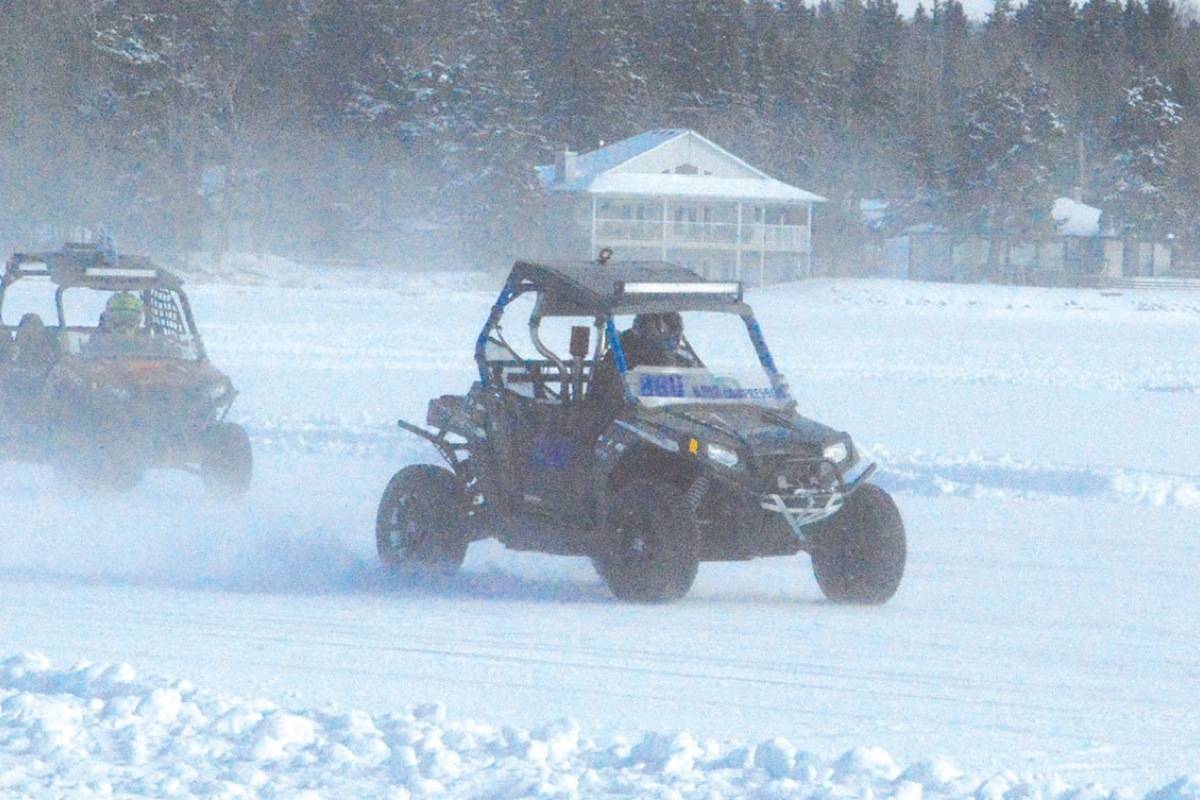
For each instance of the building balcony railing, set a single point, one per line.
(749, 235)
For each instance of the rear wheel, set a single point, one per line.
(226, 460)
(655, 548)
(420, 528)
(858, 554)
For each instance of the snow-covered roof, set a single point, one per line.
(1074, 218)
(597, 162)
(701, 186)
(614, 170)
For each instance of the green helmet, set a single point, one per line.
(123, 310)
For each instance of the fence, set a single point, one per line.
(755, 235)
(1173, 282)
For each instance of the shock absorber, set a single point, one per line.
(696, 493)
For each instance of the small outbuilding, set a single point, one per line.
(1079, 252)
(673, 195)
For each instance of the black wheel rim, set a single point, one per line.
(634, 541)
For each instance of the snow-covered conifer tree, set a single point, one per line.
(1139, 183)
(1008, 146)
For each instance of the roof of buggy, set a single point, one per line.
(85, 266)
(630, 287)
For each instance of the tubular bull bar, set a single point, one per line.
(803, 507)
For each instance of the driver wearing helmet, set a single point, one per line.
(119, 325)
(655, 341)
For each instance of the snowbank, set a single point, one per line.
(103, 729)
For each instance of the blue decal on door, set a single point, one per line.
(555, 454)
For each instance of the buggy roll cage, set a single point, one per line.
(601, 292)
(81, 266)
(604, 291)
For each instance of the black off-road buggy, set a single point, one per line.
(683, 464)
(103, 410)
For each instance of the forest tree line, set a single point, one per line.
(273, 118)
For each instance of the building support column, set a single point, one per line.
(762, 254)
(737, 249)
(808, 267)
(664, 229)
(592, 252)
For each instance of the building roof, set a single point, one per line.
(598, 172)
(1073, 218)
(630, 287)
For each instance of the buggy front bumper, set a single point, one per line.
(803, 507)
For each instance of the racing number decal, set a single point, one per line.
(661, 386)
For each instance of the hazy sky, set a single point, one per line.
(976, 9)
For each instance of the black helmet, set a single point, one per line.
(665, 329)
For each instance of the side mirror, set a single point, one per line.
(581, 336)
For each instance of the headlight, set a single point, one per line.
(836, 452)
(725, 456)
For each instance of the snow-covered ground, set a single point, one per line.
(1041, 445)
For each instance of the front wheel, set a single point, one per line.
(654, 552)
(226, 460)
(420, 529)
(858, 554)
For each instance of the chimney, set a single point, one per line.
(564, 166)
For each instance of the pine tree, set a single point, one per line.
(1135, 27)
(1008, 145)
(194, 88)
(474, 112)
(1048, 24)
(1139, 190)
(349, 45)
(1000, 16)
(1161, 24)
(582, 59)
(52, 107)
(875, 96)
(701, 61)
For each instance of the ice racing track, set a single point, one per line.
(1041, 445)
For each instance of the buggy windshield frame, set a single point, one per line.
(603, 292)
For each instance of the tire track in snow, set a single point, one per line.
(880, 685)
(973, 475)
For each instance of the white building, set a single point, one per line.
(676, 196)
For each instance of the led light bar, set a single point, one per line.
(119, 272)
(679, 288)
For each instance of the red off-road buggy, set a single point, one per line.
(103, 411)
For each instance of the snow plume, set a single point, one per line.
(168, 532)
(298, 532)
(104, 729)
